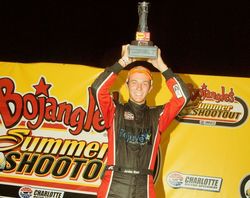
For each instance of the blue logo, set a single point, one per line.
(142, 138)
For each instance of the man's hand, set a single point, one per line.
(125, 60)
(158, 63)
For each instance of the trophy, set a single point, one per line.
(142, 47)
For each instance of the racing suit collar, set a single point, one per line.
(136, 107)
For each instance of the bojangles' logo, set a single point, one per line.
(208, 107)
(40, 108)
(30, 148)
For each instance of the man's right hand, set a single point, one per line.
(125, 60)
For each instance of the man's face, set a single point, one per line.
(139, 86)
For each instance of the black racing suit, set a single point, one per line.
(134, 135)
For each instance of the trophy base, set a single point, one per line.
(142, 51)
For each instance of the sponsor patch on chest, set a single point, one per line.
(177, 91)
(128, 115)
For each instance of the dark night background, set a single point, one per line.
(196, 37)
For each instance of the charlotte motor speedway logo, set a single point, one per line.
(208, 107)
(197, 182)
(32, 192)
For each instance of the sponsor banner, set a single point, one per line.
(52, 135)
(208, 140)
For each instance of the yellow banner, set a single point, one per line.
(206, 153)
(51, 132)
(52, 136)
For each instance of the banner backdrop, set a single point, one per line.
(53, 142)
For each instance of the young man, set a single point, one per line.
(134, 129)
